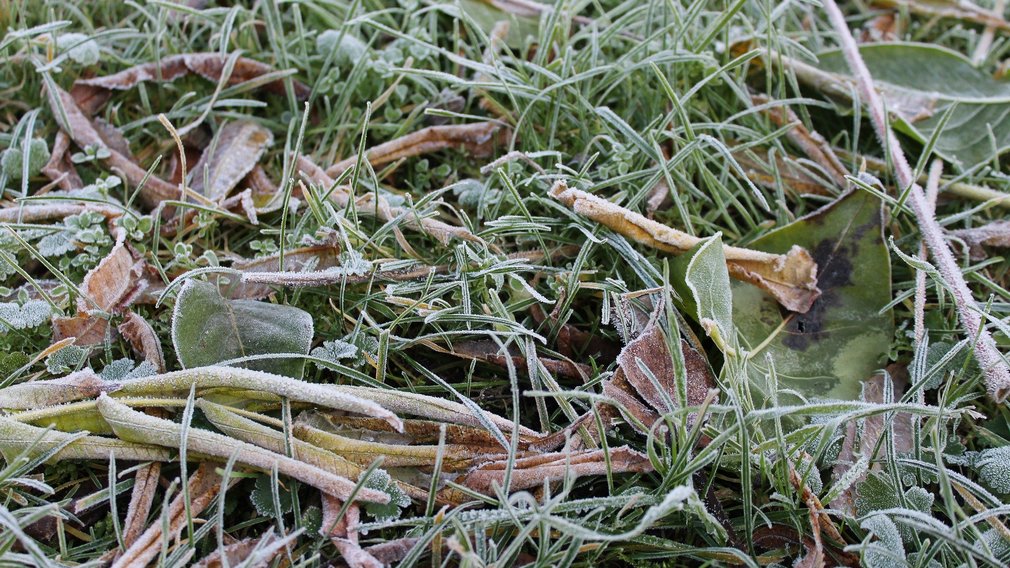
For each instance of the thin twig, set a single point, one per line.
(994, 366)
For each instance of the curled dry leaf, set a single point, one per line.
(249, 552)
(84, 329)
(488, 351)
(950, 9)
(210, 66)
(392, 551)
(26, 213)
(534, 471)
(144, 488)
(117, 281)
(995, 234)
(110, 285)
(369, 204)
(782, 171)
(60, 169)
(38, 394)
(259, 273)
(133, 425)
(230, 157)
(83, 132)
(791, 278)
(204, 485)
(650, 352)
(344, 534)
(812, 143)
(479, 139)
(144, 341)
(457, 457)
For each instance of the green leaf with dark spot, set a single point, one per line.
(208, 329)
(844, 338)
(919, 82)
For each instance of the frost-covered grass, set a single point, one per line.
(613, 98)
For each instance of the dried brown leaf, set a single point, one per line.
(488, 351)
(535, 471)
(144, 488)
(38, 394)
(23, 213)
(204, 484)
(60, 169)
(85, 329)
(790, 278)
(83, 132)
(781, 172)
(210, 66)
(951, 9)
(142, 338)
(392, 551)
(110, 285)
(479, 139)
(812, 143)
(369, 204)
(995, 234)
(233, 154)
(342, 531)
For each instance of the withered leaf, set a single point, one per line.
(208, 65)
(344, 534)
(204, 484)
(86, 329)
(250, 552)
(479, 139)
(60, 169)
(534, 471)
(110, 285)
(370, 204)
(812, 143)
(650, 349)
(37, 394)
(951, 9)
(791, 277)
(144, 488)
(488, 351)
(83, 132)
(142, 338)
(995, 234)
(233, 154)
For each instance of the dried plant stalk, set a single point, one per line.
(477, 138)
(369, 204)
(791, 278)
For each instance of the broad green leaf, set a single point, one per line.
(702, 280)
(919, 82)
(843, 339)
(208, 329)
